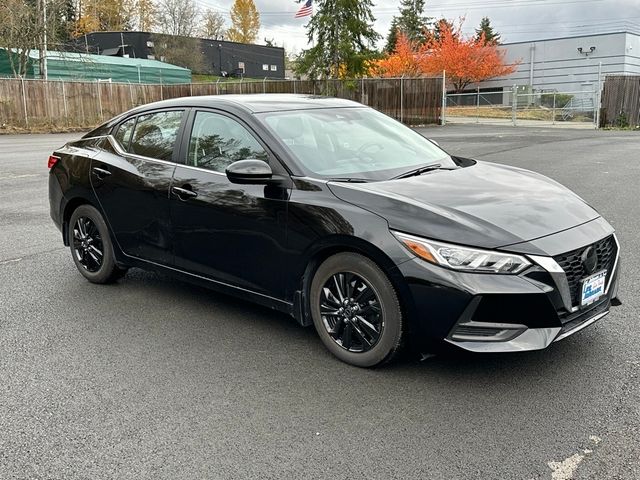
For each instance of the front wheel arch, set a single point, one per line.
(361, 247)
(391, 334)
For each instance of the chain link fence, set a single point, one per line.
(518, 106)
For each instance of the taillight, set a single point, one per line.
(52, 161)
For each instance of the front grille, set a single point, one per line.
(572, 265)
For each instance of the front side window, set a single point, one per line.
(218, 141)
(155, 135)
(123, 133)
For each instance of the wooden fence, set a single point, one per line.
(56, 104)
(620, 106)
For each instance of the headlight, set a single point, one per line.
(463, 258)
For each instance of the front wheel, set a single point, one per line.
(91, 246)
(356, 311)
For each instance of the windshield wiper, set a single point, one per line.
(421, 170)
(348, 179)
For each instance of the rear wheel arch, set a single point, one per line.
(71, 206)
(91, 245)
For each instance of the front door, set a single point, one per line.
(234, 234)
(131, 180)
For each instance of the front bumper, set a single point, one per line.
(501, 313)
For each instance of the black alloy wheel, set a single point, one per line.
(355, 310)
(91, 246)
(87, 244)
(351, 313)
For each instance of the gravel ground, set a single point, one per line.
(153, 378)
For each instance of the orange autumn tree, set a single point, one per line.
(465, 60)
(406, 59)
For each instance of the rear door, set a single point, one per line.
(131, 178)
(232, 233)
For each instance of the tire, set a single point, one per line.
(91, 246)
(373, 317)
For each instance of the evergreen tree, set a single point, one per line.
(491, 37)
(343, 40)
(411, 22)
(441, 26)
(63, 15)
(392, 36)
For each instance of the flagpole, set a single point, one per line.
(306, 9)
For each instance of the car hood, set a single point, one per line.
(485, 205)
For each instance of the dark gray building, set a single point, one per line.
(220, 56)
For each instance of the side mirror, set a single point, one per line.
(249, 172)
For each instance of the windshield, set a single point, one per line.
(358, 143)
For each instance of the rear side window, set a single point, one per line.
(123, 133)
(99, 131)
(155, 135)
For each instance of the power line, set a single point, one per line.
(483, 4)
(274, 17)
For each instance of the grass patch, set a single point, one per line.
(201, 78)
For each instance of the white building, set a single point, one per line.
(569, 64)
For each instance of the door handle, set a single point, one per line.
(101, 172)
(183, 193)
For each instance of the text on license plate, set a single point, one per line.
(593, 288)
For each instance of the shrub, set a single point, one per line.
(546, 99)
(621, 120)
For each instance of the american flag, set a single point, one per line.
(306, 9)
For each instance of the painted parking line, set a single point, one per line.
(12, 177)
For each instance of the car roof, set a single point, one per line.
(257, 102)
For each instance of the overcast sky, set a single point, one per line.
(516, 20)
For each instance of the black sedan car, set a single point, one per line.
(339, 216)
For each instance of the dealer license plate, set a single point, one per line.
(593, 288)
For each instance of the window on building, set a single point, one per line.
(265, 66)
(241, 66)
(274, 68)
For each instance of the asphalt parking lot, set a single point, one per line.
(153, 378)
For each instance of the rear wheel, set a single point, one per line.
(91, 246)
(356, 311)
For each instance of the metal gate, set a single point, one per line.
(520, 107)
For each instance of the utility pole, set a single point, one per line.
(44, 63)
(43, 46)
